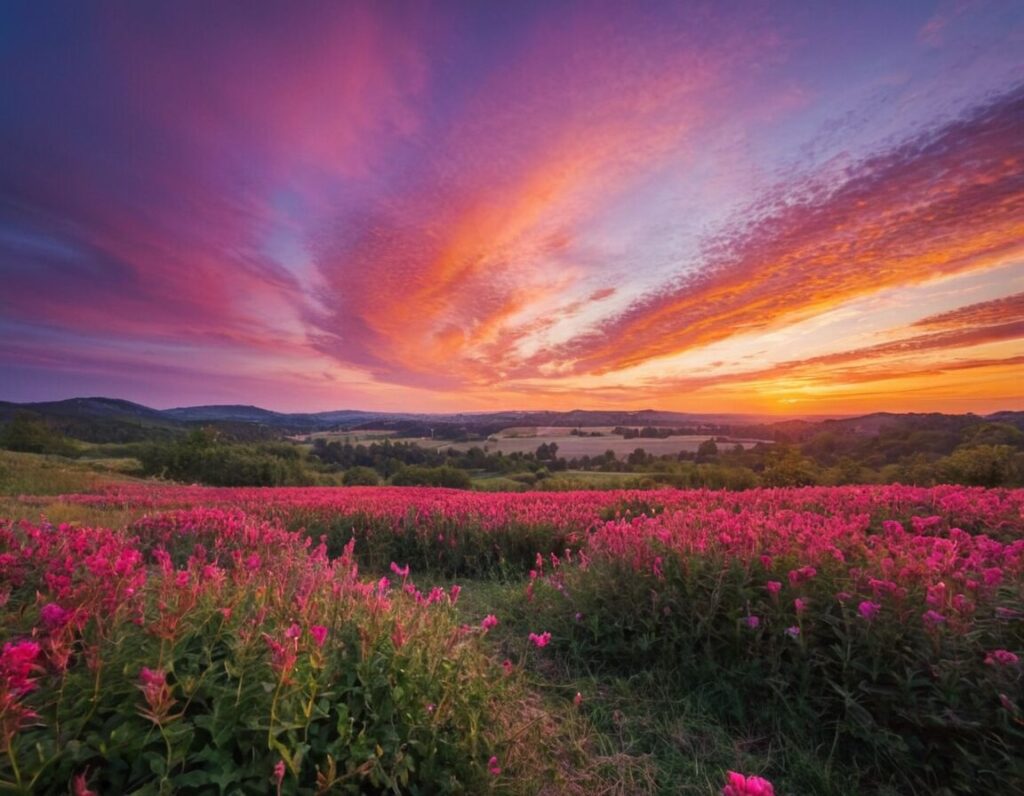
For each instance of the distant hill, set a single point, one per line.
(101, 419)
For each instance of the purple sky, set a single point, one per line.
(756, 206)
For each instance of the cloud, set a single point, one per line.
(948, 201)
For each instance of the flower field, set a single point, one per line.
(315, 640)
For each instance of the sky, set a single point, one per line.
(760, 207)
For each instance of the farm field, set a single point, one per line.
(839, 640)
(571, 446)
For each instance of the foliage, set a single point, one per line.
(890, 642)
(29, 434)
(205, 647)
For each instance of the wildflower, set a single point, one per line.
(1001, 658)
(800, 605)
(868, 609)
(541, 640)
(157, 694)
(54, 616)
(656, 567)
(253, 562)
(293, 632)
(579, 617)
(753, 622)
(80, 786)
(454, 593)
(431, 707)
(493, 767)
(936, 595)
(319, 634)
(793, 632)
(933, 619)
(489, 621)
(578, 699)
(279, 772)
(507, 666)
(402, 572)
(740, 785)
(773, 587)
(382, 586)
(16, 664)
(800, 575)
(844, 596)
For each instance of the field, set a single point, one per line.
(840, 640)
(527, 440)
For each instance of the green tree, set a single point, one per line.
(360, 476)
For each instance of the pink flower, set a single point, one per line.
(16, 664)
(454, 592)
(402, 572)
(793, 632)
(936, 595)
(541, 640)
(844, 596)
(80, 785)
(868, 609)
(932, 619)
(493, 767)
(753, 622)
(489, 621)
(800, 605)
(53, 616)
(1001, 658)
(578, 699)
(319, 634)
(294, 631)
(507, 666)
(773, 587)
(279, 772)
(740, 785)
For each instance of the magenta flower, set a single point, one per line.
(17, 661)
(578, 699)
(493, 767)
(319, 634)
(800, 605)
(489, 621)
(54, 616)
(773, 587)
(454, 592)
(279, 772)
(793, 632)
(740, 785)
(753, 622)
(540, 640)
(868, 609)
(402, 572)
(933, 619)
(1001, 658)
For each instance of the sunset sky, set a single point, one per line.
(749, 207)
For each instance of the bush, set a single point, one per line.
(432, 476)
(208, 648)
(360, 476)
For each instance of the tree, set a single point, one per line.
(30, 434)
(983, 465)
(360, 476)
